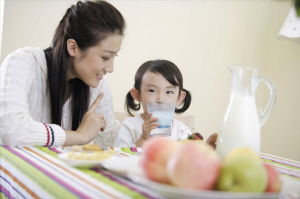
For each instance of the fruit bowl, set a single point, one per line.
(169, 191)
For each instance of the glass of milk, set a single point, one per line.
(164, 111)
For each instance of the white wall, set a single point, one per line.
(202, 38)
(282, 133)
(1, 23)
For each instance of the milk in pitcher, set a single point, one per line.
(236, 129)
(241, 124)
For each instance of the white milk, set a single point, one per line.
(164, 118)
(240, 127)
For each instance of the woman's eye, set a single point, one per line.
(169, 92)
(105, 58)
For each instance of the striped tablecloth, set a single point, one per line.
(285, 166)
(38, 173)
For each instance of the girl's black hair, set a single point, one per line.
(172, 74)
(87, 23)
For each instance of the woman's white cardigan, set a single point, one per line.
(25, 104)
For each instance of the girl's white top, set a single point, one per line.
(25, 104)
(131, 131)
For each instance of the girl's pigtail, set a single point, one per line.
(185, 103)
(130, 104)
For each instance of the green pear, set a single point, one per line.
(242, 174)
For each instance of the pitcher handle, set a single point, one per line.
(266, 113)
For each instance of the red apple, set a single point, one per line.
(156, 152)
(194, 165)
(274, 182)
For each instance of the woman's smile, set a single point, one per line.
(99, 77)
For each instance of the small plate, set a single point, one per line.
(80, 163)
(122, 165)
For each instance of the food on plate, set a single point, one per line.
(86, 147)
(156, 153)
(242, 171)
(193, 137)
(94, 156)
(77, 148)
(274, 182)
(91, 147)
(194, 165)
(212, 140)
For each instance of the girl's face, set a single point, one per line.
(92, 64)
(155, 87)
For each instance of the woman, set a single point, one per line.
(60, 96)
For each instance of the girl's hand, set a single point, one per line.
(92, 122)
(149, 124)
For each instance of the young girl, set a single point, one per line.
(158, 80)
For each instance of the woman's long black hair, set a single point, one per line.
(168, 70)
(87, 23)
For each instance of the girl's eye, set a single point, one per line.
(151, 90)
(105, 58)
(170, 92)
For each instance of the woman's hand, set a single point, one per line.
(92, 122)
(149, 124)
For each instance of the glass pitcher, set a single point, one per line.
(241, 124)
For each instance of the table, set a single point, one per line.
(38, 173)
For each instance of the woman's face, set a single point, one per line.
(90, 65)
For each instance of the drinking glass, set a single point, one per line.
(164, 111)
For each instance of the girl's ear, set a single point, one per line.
(135, 94)
(72, 47)
(181, 97)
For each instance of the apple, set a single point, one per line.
(242, 174)
(241, 151)
(274, 183)
(156, 152)
(194, 165)
(195, 136)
